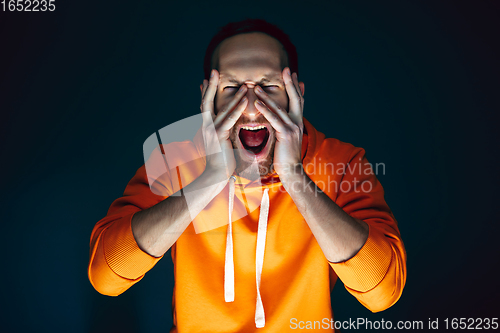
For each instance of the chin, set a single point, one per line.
(263, 169)
(254, 161)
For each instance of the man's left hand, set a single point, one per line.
(288, 125)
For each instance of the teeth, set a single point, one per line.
(255, 128)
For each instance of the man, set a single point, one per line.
(271, 268)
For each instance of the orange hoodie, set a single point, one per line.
(277, 282)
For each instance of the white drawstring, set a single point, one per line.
(229, 265)
(260, 319)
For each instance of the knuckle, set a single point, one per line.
(223, 111)
(294, 129)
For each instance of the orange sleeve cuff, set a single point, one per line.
(122, 253)
(368, 267)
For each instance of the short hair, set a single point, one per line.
(246, 26)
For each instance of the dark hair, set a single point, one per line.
(246, 26)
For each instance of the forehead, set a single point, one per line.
(250, 56)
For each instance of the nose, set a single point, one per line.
(251, 110)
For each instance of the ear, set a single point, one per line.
(301, 86)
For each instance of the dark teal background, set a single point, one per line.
(414, 83)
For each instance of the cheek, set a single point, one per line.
(218, 104)
(283, 101)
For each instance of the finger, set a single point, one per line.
(273, 118)
(233, 117)
(272, 105)
(295, 105)
(230, 106)
(207, 102)
(208, 125)
(209, 134)
(203, 87)
(295, 80)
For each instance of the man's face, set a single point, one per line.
(251, 59)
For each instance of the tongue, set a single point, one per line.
(253, 138)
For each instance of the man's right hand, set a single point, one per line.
(223, 123)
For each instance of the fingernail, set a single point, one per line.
(241, 88)
(259, 89)
(288, 70)
(243, 99)
(259, 102)
(212, 73)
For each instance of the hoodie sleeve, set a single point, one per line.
(376, 275)
(116, 261)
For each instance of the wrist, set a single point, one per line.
(211, 176)
(291, 174)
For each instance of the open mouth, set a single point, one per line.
(254, 138)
